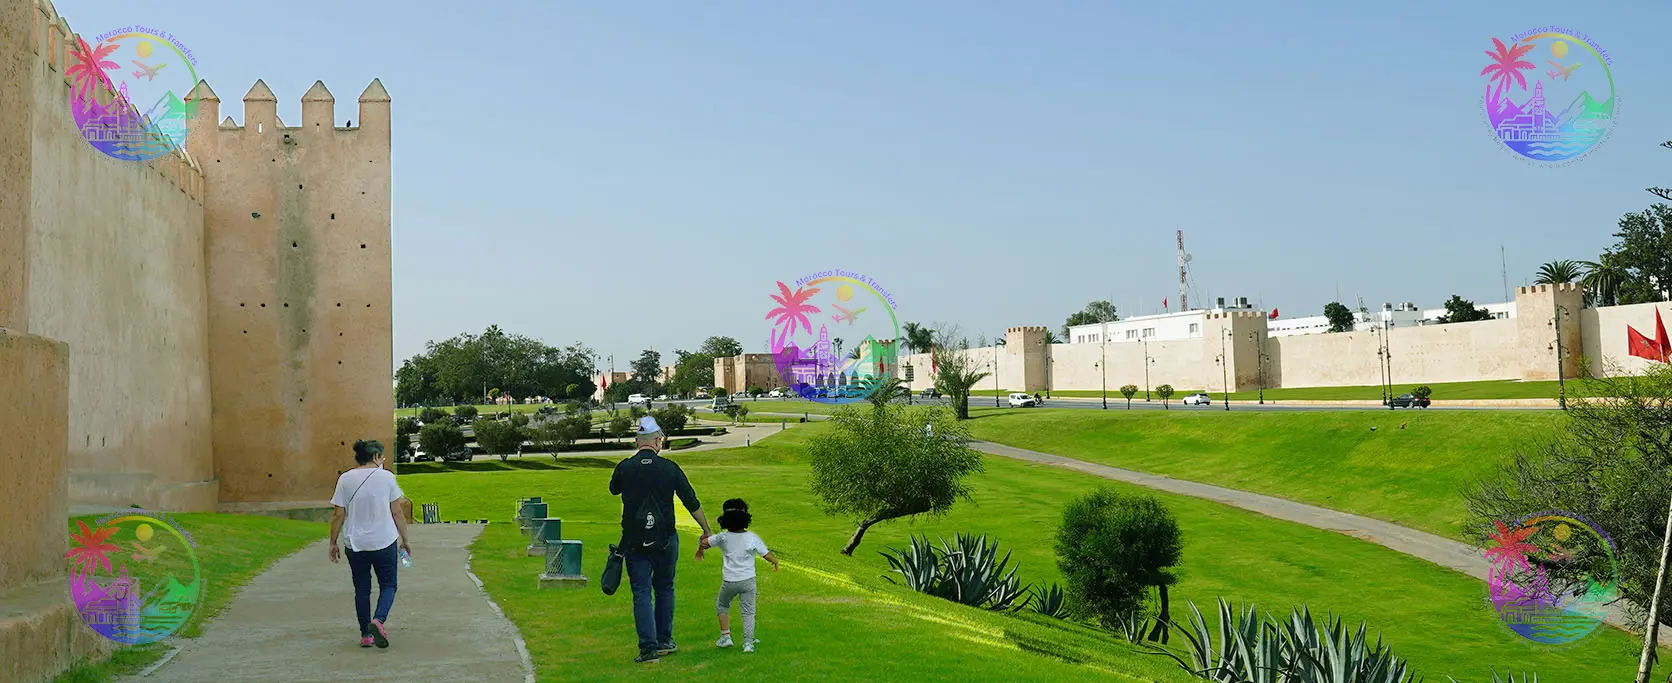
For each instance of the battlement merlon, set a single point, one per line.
(318, 110)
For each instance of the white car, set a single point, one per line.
(1021, 400)
(1198, 400)
(638, 400)
(776, 393)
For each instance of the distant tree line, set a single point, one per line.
(466, 368)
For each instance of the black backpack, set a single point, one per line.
(646, 529)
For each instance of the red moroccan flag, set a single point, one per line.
(1273, 315)
(1163, 304)
(603, 381)
(1641, 346)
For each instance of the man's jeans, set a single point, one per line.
(649, 572)
(360, 567)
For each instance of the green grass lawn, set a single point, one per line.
(1443, 391)
(231, 549)
(830, 616)
(1411, 476)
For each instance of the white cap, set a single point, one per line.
(648, 426)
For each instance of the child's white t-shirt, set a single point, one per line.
(738, 550)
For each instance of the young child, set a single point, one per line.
(738, 548)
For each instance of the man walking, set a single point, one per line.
(647, 483)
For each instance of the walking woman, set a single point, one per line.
(369, 514)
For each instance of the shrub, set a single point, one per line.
(558, 434)
(574, 408)
(1423, 391)
(405, 426)
(756, 391)
(742, 412)
(519, 420)
(466, 412)
(733, 410)
(719, 392)
(620, 425)
(967, 572)
(1112, 547)
(875, 466)
(1129, 391)
(439, 439)
(499, 437)
(672, 417)
(403, 447)
(637, 412)
(431, 415)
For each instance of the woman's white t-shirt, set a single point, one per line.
(366, 495)
(737, 553)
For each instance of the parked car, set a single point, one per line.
(777, 393)
(638, 400)
(930, 392)
(1197, 400)
(1021, 400)
(663, 397)
(1410, 401)
(702, 393)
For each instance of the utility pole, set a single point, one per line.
(1503, 263)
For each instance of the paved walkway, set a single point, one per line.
(295, 623)
(1439, 550)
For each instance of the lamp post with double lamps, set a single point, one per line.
(1260, 361)
(1144, 342)
(1103, 366)
(1225, 367)
(1561, 370)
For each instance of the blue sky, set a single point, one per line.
(633, 175)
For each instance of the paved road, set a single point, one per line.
(1117, 402)
(295, 623)
(1442, 551)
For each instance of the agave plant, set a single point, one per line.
(1525, 678)
(972, 574)
(1050, 601)
(918, 565)
(1132, 626)
(1253, 649)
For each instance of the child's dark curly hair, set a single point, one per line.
(734, 515)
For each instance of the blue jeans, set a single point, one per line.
(649, 572)
(360, 566)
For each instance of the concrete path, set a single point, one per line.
(1439, 550)
(295, 623)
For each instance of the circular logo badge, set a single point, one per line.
(129, 93)
(134, 577)
(833, 336)
(1552, 577)
(1549, 94)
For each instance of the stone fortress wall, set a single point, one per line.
(160, 344)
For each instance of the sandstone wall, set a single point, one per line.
(299, 268)
(115, 269)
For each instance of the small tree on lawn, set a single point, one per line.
(719, 392)
(493, 393)
(1423, 391)
(732, 411)
(742, 412)
(887, 391)
(620, 425)
(1164, 391)
(499, 437)
(672, 417)
(955, 372)
(440, 438)
(431, 415)
(557, 434)
(1112, 547)
(890, 462)
(756, 392)
(1129, 391)
(467, 412)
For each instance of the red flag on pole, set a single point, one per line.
(1273, 315)
(604, 381)
(1641, 346)
(1163, 304)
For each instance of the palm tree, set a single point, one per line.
(1558, 272)
(1507, 64)
(792, 308)
(918, 337)
(955, 373)
(1602, 280)
(1051, 337)
(887, 391)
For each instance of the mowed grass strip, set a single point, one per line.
(231, 550)
(1443, 391)
(830, 616)
(1406, 467)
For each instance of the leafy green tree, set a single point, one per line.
(1164, 391)
(1603, 280)
(691, 370)
(1340, 317)
(1611, 463)
(555, 435)
(720, 392)
(620, 425)
(955, 372)
(1129, 391)
(720, 347)
(465, 411)
(888, 463)
(429, 415)
(1644, 253)
(672, 417)
(499, 437)
(617, 393)
(440, 438)
(519, 420)
(1423, 391)
(455, 370)
(646, 371)
(1100, 311)
(573, 391)
(756, 392)
(1461, 310)
(406, 425)
(1112, 547)
(1558, 272)
(403, 446)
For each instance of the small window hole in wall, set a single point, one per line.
(258, 127)
(362, 246)
(298, 186)
(339, 304)
(333, 216)
(264, 305)
(294, 245)
(101, 442)
(269, 475)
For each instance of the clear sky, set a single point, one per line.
(639, 174)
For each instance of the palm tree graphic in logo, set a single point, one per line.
(792, 309)
(91, 550)
(88, 70)
(1507, 65)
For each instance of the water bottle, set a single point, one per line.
(406, 559)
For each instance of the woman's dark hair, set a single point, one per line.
(366, 451)
(734, 515)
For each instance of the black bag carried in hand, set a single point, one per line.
(611, 580)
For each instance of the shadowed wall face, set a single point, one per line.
(298, 237)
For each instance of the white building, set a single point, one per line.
(1398, 315)
(1188, 324)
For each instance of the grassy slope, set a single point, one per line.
(1411, 476)
(1443, 391)
(231, 549)
(824, 606)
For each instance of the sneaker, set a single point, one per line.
(724, 641)
(380, 635)
(366, 641)
(749, 647)
(647, 657)
(667, 648)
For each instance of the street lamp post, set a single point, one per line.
(1387, 340)
(1225, 368)
(1103, 365)
(1561, 370)
(1260, 362)
(1144, 343)
(1381, 367)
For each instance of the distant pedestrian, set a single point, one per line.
(369, 514)
(647, 483)
(738, 547)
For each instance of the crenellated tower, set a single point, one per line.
(297, 237)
